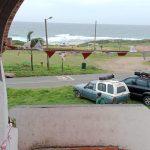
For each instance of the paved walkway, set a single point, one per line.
(54, 81)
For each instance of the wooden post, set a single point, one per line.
(32, 68)
(95, 35)
(62, 66)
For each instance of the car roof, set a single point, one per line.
(135, 77)
(106, 82)
(139, 77)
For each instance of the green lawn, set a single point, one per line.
(106, 44)
(14, 57)
(63, 95)
(54, 96)
(23, 70)
(118, 44)
(20, 64)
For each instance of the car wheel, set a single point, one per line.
(77, 94)
(146, 100)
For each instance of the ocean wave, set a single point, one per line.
(73, 39)
(19, 38)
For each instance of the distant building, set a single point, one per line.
(133, 49)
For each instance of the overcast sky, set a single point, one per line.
(86, 11)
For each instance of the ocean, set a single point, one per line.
(67, 33)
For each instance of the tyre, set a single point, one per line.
(146, 100)
(77, 94)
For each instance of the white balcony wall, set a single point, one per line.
(3, 105)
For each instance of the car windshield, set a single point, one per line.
(91, 86)
(130, 81)
(121, 89)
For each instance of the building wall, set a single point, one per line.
(3, 105)
(14, 139)
(8, 9)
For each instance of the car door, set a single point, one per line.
(101, 88)
(131, 83)
(148, 86)
(122, 93)
(110, 93)
(141, 86)
(90, 92)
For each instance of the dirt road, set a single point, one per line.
(125, 65)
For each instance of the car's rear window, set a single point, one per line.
(142, 82)
(110, 89)
(121, 89)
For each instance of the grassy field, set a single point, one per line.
(20, 64)
(106, 44)
(117, 44)
(23, 70)
(19, 57)
(63, 95)
(55, 96)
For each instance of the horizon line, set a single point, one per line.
(81, 23)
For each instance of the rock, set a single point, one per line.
(9, 75)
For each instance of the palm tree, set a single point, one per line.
(29, 35)
(35, 41)
(31, 52)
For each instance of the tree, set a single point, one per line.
(32, 45)
(35, 41)
(29, 36)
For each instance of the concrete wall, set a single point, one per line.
(8, 9)
(126, 126)
(13, 144)
(3, 105)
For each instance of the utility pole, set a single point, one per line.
(95, 35)
(62, 66)
(46, 35)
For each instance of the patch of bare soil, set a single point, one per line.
(141, 48)
(125, 65)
